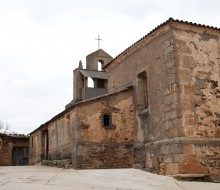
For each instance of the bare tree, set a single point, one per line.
(4, 127)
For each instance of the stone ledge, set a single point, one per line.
(186, 140)
(58, 163)
(197, 177)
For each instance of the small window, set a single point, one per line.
(106, 120)
(0, 143)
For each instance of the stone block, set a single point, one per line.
(189, 131)
(192, 168)
(171, 79)
(175, 88)
(180, 132)
(168, 99)
(217, 115)
(168, 159)
(168, 125)
(172, 98)
(176, 97)
(185, 76)
(201, 83)
(50, 163)
(162, 169)
(54, 162)
(186, 105)
(167, 108)
(177, 122)
(188, 62)
(171, 169)
(170, 64)
(183, 47)
(171, 149)
(190, 90)
(190, 121)
(172, 115)
(188, 149)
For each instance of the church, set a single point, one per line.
(153, 107)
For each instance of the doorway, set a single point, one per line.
(20, 156)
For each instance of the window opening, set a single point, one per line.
(100, 83)
(90, 82)
(142, 91)
(106, 120)
(100, 65)
(0, 143)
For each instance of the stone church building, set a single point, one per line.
(156, 106)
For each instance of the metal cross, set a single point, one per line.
(99, 39)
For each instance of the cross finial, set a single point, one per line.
(99, 39)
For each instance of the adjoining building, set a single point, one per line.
(14, 150)
(155, 107)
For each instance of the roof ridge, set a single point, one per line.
(159, 26)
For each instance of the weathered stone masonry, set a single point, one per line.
(98, 147)
(178, 132)
(167, 123)
(78, 134)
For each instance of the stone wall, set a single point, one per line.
(55, 139)
(199, 82)
(99, 147)
(154, 58)
(35, 143)
(100, 155)
(190, 105)
(60, 133)
(199, 88)
(178, 126)
(78, 134)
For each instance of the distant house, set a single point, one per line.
(14, 150)
(155, 107)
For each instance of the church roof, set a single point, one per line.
(170, 20)
(94, 74)
(124, 88)
(100, 52)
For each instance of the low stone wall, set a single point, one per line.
(184, 156)
(103, 156)
(58, 163)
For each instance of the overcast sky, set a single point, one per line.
(42, 41)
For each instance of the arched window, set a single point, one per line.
(100, 65)
(90, 82)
